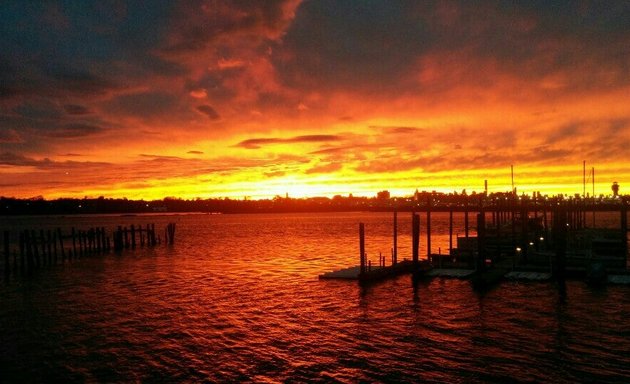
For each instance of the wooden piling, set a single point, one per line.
(7, 267)
(22, 246)
(624, 228)
(428, 227)
(524, 239)
(42, 240)
(395, 249)
(35, 249)
(29, 252)
(466, 220)
(362, 247)
(415, 238)
(133, 236)
(126, 236)
(481, 244)
(49, 246)
(74, 245)
(450, 231)
(560, 242)
(104, 242)
(61, 248)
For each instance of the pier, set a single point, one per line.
(518, 238)
(29, 250)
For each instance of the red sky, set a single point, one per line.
(258, 98)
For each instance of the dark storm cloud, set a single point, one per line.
(75, 109)
(76, 130)
(257, 143)
(381, 46)
(13, 159)
(195, 24)
(351, 44)
(145, 104)
(208, 111)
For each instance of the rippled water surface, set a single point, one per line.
(237, 298)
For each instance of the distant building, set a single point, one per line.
(615, 189)
(383, 195)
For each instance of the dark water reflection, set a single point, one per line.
(237, 299)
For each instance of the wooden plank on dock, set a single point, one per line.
(619, 279)
(350, 273)
(377, 273)
(451, 272)
(528, 275)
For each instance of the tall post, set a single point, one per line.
(22, 245)
(63, 251)
(481, 244)
(43, 244)
(415, 238)
(524, 219)
(133, 236)
(29, 252)
(450, 231)
(6, 253)
(395, 250)
(362, 247)
(560, 241)
(74, 244)
(466, 219)
(583, 179)
(49, 247)
(35, 249)
(512, 172)
(429, 227)
(593, 180)
(624, 228)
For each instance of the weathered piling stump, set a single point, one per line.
(7, 267)
(415, 238)
(481, 244)
(362, 248)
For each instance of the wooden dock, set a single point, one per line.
(378, 272)
(29, 250)
(513, 241)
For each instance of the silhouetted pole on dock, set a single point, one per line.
(362, 247)
(560, 241)
(524, 220)
(466, 219)
(624, 228)
(395, 250)
(429, 227)
(74, 244)
(6, 253)
(450, 231)
(415, 237)
(170, 234)
(481, 243)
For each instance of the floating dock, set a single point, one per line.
(379, 272)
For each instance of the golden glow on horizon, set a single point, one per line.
(271, 107)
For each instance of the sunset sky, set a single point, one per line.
(311, 98)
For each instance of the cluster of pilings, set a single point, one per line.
(35, 249)
(506, 230)
(125, 238)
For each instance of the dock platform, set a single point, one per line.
(377, 272)
(457, 273)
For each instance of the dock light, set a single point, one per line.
(531, 243)
(518, 249)
(542, 239)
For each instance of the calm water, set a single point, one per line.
(238, 299)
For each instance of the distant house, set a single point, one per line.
(383, 195)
